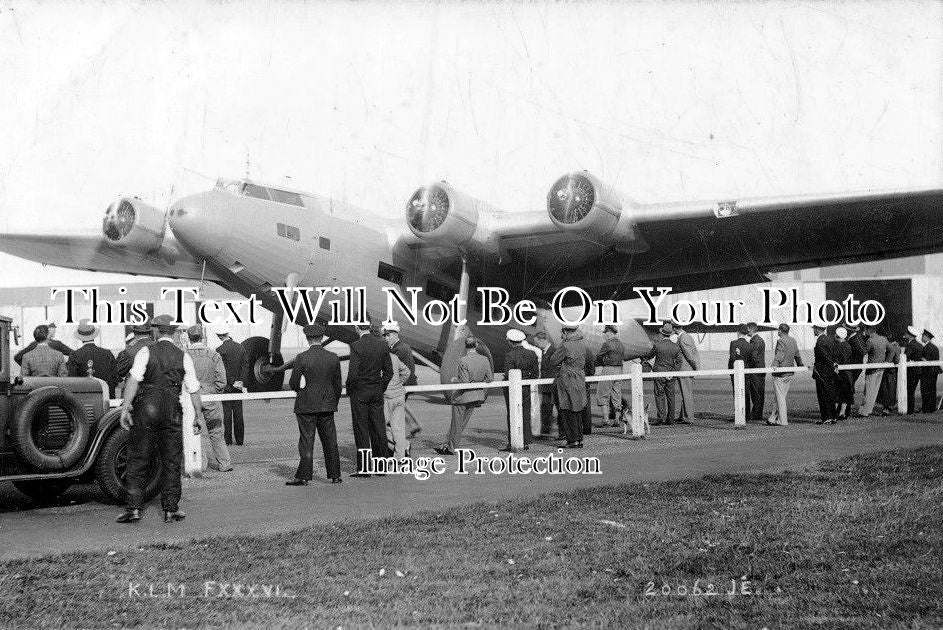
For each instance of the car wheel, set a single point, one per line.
(111, 469)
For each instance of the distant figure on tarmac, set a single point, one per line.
(473, 367)
(234, 359)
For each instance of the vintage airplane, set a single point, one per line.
(249, 237)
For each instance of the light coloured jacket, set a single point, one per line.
(472, 368)
(690, 357)
(786, 353)
(401, 372)
(210, 371)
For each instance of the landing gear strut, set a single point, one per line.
(261, 352)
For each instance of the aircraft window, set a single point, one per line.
(259, 192)
(325, 243)
(288, 231)
(390, 273)
(282, 196)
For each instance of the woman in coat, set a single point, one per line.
(570, 384)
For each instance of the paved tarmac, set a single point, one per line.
(253, 499)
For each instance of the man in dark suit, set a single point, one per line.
(913, 350)
(929, 374)
(547, 395)
(315, 406)
(859, 349)
(823, 372)
(844, 386)
(369, 372)
(525, 360)
(756, 383)
(234, 360)
(742, 350)
(667, 359)
(91, 359)
(51, 341)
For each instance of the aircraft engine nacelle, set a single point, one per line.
(439, 214)
(131, 224)
(580, 202)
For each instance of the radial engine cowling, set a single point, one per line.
(580, 202)
(439, 214)
(131, 224)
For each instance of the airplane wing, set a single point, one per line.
(91, 252)
(607, 246)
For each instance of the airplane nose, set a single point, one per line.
(195, 224)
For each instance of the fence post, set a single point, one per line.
(516, 405)
(902, 384)
(739, 395)
(534, 410)
(638, 401)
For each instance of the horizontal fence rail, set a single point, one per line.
(635, 377)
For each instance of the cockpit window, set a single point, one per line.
(259, 192)
(283, 196)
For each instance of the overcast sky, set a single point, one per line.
(366, 101)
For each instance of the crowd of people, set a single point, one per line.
(150, 375)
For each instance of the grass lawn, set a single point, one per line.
(856, 543)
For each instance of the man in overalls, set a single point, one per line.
(151, 412)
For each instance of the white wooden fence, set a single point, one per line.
(635, 377)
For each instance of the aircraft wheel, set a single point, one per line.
(257, 355)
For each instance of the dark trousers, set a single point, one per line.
(666, 399)
(844, 391)
(323, 425)
(913, 378)
(366, 407)
(528, 433)
(825, 392)
(572, 425)
(233, 425)
(162, 432)
(547, 404)
(928, 389)
(587, 415)
(756, 392)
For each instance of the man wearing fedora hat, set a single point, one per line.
(211, 373)
(668, 358)
(151, 412)
(913, 350)
(91, 359)
(929, 374)
(315, 406)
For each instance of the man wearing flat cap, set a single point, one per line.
(91, 359)
(315, 406)
(51, 341)
(473, 367)
(742, 350)
(668, 358)
(141, 335)
(151, 412)
(823, 372)
(211, 373)
(610, 358)
(913, 350)
(237, 369)
(929, 374)
(525, 360)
